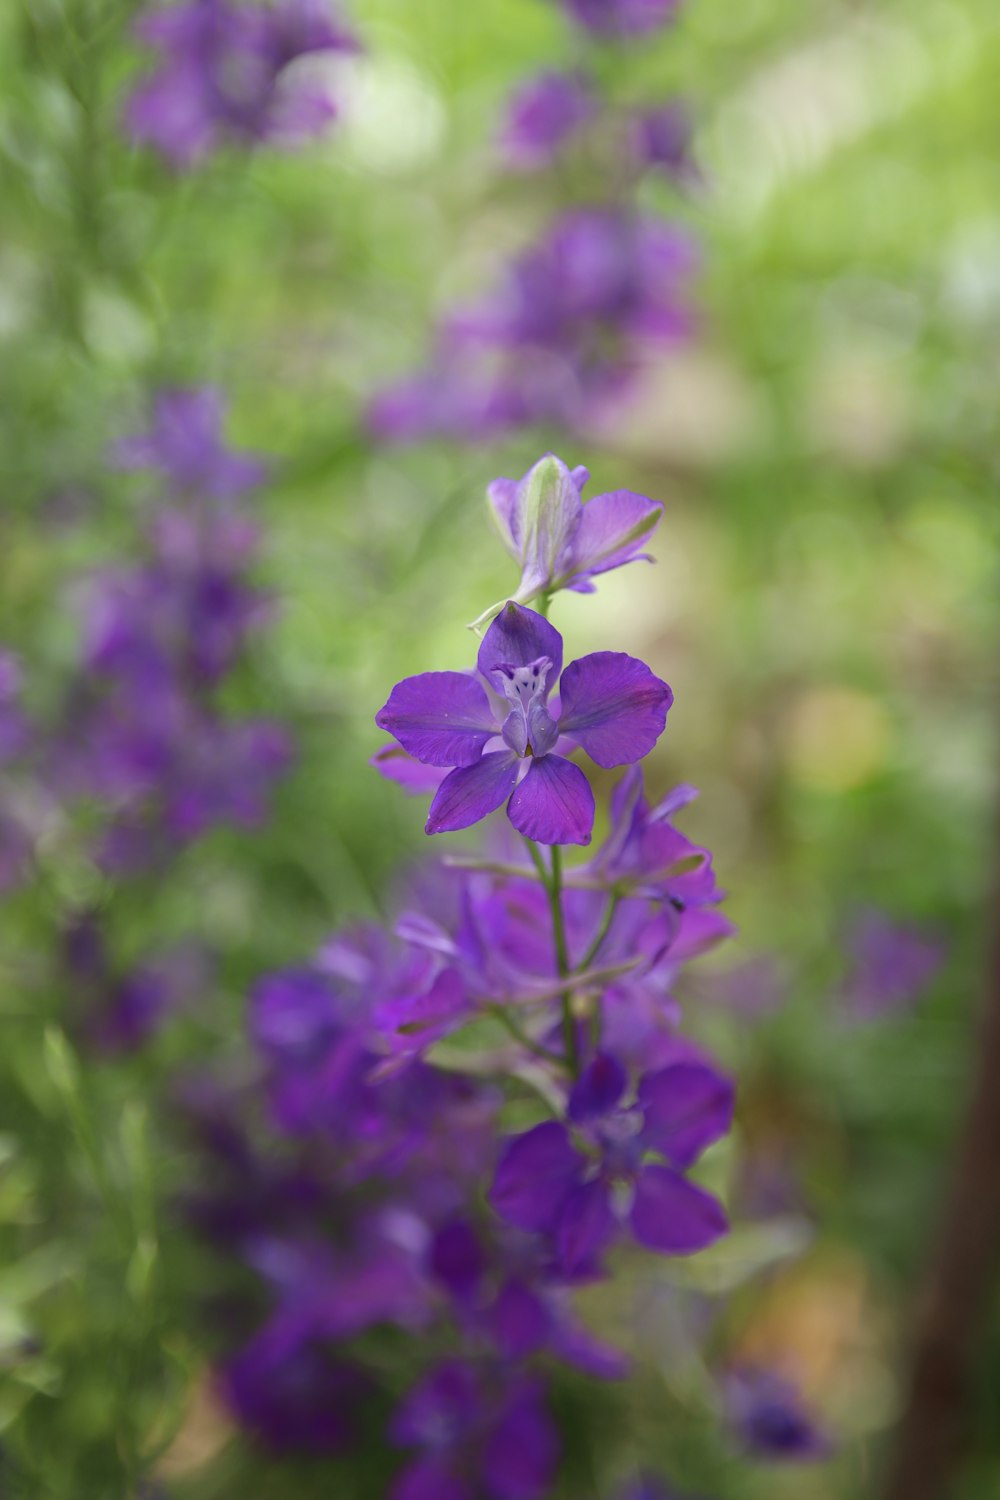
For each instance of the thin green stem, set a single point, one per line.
(538, 862)
(602, 931)
(521, 1036)
(558, 924)
(570, 1041)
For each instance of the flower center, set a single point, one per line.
(529, 728)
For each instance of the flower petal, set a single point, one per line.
(501, 496)
(674, 1216)
(520, 1322)
(521, 1455)
(395, 764)
(612, 530)
(517, 637)
(441, 718)
(534, 1175)
(470, 793)
(546, 515)
(613, 706)
(598, 1089)
(429, 1478)
(554, 803)
(686, 1107)
(412, 1022)
(586, 1226)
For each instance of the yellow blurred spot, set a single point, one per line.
(838, 737)
(204, 1431)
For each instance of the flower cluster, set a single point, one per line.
(141, 755)
(394, 1196)
(232, 71)
(145, 733)
(575, 316)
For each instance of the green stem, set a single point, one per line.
(602, 932)
(520, 1035)
(562, 962)
(597, 1014)
(538, 862)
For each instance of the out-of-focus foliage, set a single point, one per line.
(824, 607)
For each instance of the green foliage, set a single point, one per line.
(825, 607)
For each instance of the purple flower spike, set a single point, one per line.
(185, 443)
(613, 707)
(560, 338)
(559, 542)
(543, 114)
(222, 76)
(544, 1183)
(622, 17)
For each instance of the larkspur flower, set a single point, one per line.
(225, 74)
(143, 730)
(891, 965)
(661, 138)
(287, 1388)
(622, 17)
(124, 1009)
(572, 1193)
(564, 333)
(560, 542)
(543, 114)
(477, 1437)
(502, 741)
(185, 444)
(770, 1418)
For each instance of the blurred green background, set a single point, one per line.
(824, 605)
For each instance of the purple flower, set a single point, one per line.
(224, 74)
(770, 1418)
(546, 1183)
(562, 335)
(893, 963)
(501, 738)
(662, 138)
(185, 444)
(622, 17)
(291, 1391)
(560, 543)
(476, 1439)
(646, 854)
(543, 113)
(136, 1005)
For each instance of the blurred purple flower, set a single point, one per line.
(770, 1417)
(291, 1391)
(661, 138)
(15, 731)
(185, 443)
(143, 731)
(543, 113)
(892, 964)
(622, 17)
(225, 73)
(563, 334)
(611, 706)
(475, 1439)
(546, 1184)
